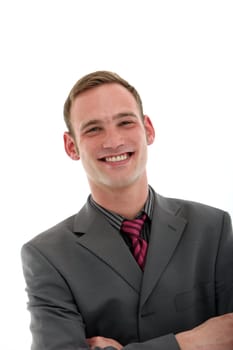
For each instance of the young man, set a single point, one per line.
(98, 279)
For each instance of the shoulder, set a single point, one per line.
(63, 234)
(202, 222)
(191, 210)
(54, 235)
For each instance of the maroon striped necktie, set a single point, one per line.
(133, 230)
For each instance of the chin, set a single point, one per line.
(120, 183)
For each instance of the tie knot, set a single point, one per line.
(133, 227)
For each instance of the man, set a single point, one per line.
(98, 280)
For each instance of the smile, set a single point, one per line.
(117, 158)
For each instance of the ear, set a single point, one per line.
(70, 146)
(150, 132)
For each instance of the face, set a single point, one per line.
(109, 137)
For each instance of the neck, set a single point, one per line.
(125, 201)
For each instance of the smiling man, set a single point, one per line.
(132, 269)
(110, 136)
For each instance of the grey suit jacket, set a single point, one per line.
(82, 280)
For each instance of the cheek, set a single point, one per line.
(142, 141)
(88, 144)
(143, 150)
(87, 152)
(84, 148)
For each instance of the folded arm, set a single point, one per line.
(56, 323)
(214, 334)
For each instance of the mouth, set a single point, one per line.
(117, 158)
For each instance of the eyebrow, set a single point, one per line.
(99, 121)
(124, 114)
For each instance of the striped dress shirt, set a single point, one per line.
(116, 220)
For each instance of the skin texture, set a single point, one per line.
(103, 343)
(110, 138)
(214, 334)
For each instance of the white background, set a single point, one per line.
(178, 54)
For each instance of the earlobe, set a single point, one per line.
(70, 146)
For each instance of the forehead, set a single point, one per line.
(103, 101)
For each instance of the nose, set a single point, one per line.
(112, 138)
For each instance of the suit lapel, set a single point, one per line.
(100, 238)
(166, 232)
(96, 234)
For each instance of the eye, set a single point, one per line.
(93, 130)
(126, 122)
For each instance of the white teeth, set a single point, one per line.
(117, 158)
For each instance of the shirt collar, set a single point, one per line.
(116, 219)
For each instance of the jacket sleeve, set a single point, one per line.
(167, 342)
(224, 268)
(56, 323)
